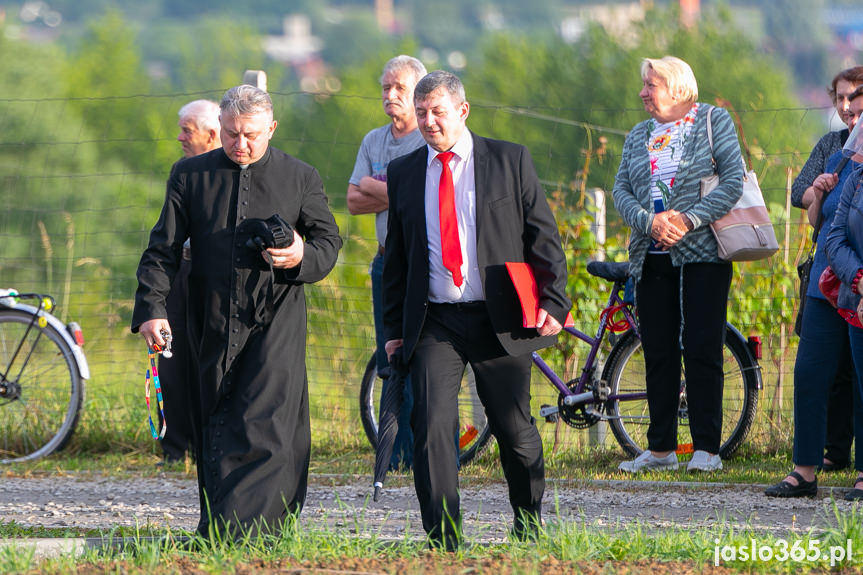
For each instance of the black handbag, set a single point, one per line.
(804, 269)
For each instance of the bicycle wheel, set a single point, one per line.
(41, 392)
(625, 374)
(474, 432)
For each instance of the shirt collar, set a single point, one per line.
(463, 148)
(261, 161)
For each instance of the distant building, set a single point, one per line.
(384, 15)
(616, 19)
(846, 24)
(298, 49)
(296, 44)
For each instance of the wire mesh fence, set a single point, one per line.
(80, 190)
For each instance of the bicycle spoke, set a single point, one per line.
(629, 417)
(49, 393)
(474, 433)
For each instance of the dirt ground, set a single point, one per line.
(340, 504)
(88, 501)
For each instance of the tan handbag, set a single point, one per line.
(745, 233)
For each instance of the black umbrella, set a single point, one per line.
(388, 424)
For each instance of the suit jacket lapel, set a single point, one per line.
(482, 179)
(417, 203)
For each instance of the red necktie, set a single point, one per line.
(450, 246)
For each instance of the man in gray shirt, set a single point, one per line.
(367, 194)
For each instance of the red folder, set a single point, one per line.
(528, 294)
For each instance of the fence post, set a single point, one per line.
(256, 78)
(595, 205)
(776, 404)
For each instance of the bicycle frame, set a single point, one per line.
(39, 314)
(578, 396)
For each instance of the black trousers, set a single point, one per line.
(454, 335)
(682, 314)
(176, 373)
(840, 415)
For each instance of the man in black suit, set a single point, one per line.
(448, 299)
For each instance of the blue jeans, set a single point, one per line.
(403, 450)
(856, 336)
(823, 351)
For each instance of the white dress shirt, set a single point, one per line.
(441, 286)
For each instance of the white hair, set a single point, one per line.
(204, 113)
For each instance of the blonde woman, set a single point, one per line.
(681, 284)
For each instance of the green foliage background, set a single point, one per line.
(87, 138)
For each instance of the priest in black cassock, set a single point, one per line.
(247, 313)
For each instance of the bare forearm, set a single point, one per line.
(370, 197)
(808, 197)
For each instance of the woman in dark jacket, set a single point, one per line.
(809, 190)
(845, 253)
(824, 356)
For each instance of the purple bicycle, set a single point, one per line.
(612, 390)
(615, 391)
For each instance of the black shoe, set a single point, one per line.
(835, 466)
(802, 489)
(447, 538)
(855, 494)
(525, 532)
(450, 544)
(526, 525)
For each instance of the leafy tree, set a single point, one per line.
(105, 82)
(576, 103)
(69, 208)
(796, 30)
(447, 25)
(354, 40)
(590, 90)
(207, 55)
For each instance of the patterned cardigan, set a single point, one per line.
(632, 188)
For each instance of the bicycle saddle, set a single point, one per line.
(611, 271)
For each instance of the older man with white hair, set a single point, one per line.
(199, 133)
(199, 127)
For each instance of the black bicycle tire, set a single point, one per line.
(751, 380)
(369, 410)
(72, 413)
(628, 344)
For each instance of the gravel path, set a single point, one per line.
(93, 501)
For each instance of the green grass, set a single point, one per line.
(356, 458)
(349, 454)
(562, 546)
(748, 466)
(13, 530)
(567, 546)
(113, 439)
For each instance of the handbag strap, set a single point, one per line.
(819, 221)
(710, 139)
(710, 136)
